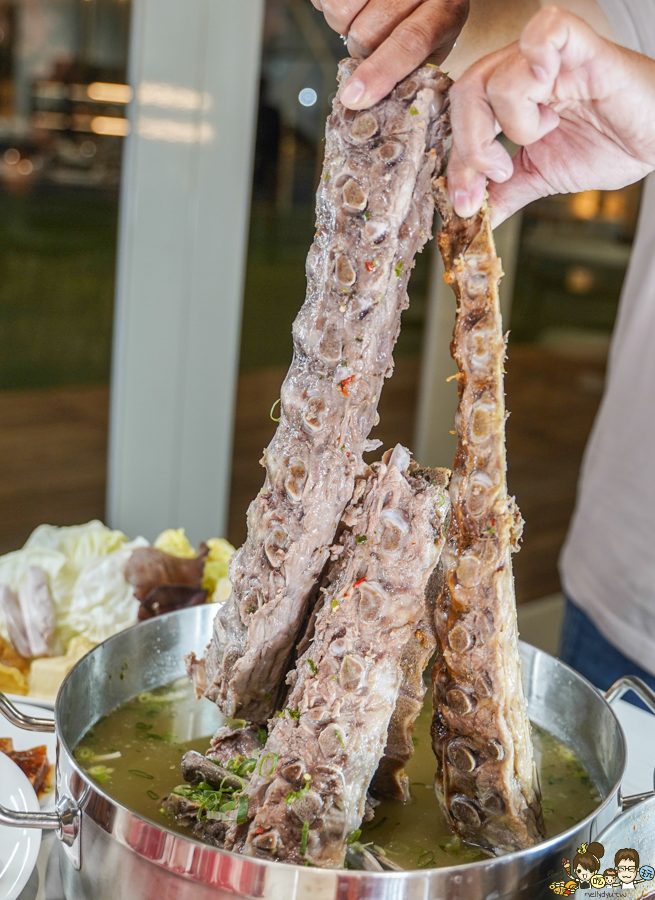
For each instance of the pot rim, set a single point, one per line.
(443, 871)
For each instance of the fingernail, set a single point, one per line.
(353, 91)
(540, 73)
(499, 175)
(463, 204)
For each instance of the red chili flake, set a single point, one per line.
(259, 830)
(360, 581)
(371, 267)
(343, 386)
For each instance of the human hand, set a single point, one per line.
(395, 36)
(581, 107)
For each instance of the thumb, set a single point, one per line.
(525, 185)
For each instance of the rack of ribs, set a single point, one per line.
(374, 213)
(486, 780)
(309, 791)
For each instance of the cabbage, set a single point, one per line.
(175, 542)
(215, 575)
(65, 554)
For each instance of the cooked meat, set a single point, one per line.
(486, 779)
(197, 768)
(34, 763)
(324, 748)
(148, 568)
(13, 617)
(169, 597)
(374, 212)
(229, 742)
(185, 811)
(390, 779)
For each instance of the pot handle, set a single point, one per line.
(17, 718)
(647, 696)
(67, 818)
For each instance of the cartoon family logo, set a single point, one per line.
(585, 872)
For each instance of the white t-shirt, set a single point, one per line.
(608, 562)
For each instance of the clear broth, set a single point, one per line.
(154, 730)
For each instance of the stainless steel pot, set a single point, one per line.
(634, 829)
(109, 852)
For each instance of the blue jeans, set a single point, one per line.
(584, 648)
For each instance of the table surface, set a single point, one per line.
(639, 727)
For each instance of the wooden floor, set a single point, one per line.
(53, 450)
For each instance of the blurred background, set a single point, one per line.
(69, 73)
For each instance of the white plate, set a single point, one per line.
(19, 847)
(44, 704)
(25, 740)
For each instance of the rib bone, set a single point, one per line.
(481, 731)
(374, 212)
(332, 734)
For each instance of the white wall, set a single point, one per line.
(194, 66)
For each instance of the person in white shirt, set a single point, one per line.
(580, 101)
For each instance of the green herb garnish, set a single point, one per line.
(262, 735)
(398, 268)
(272, 767)
(100, 773)
(83, 753)
(413, 111)
(303, 839)
(242, 812)
(354, 836)
(425, 859)
(296, 795)
(361, 538)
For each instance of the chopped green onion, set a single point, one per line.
(273, 410)
(140, 774)
(425, 859)
(262, 735)
(399, 267)
(312, 666)
(303, 839)
(82, 753)
(296, 795)
(354, 836)
(339, 738)
(152, 795)
(271, 769)
(361, 538)
(413, 111)
(242, 812)
(100, 773)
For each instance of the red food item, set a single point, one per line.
(33, 763)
